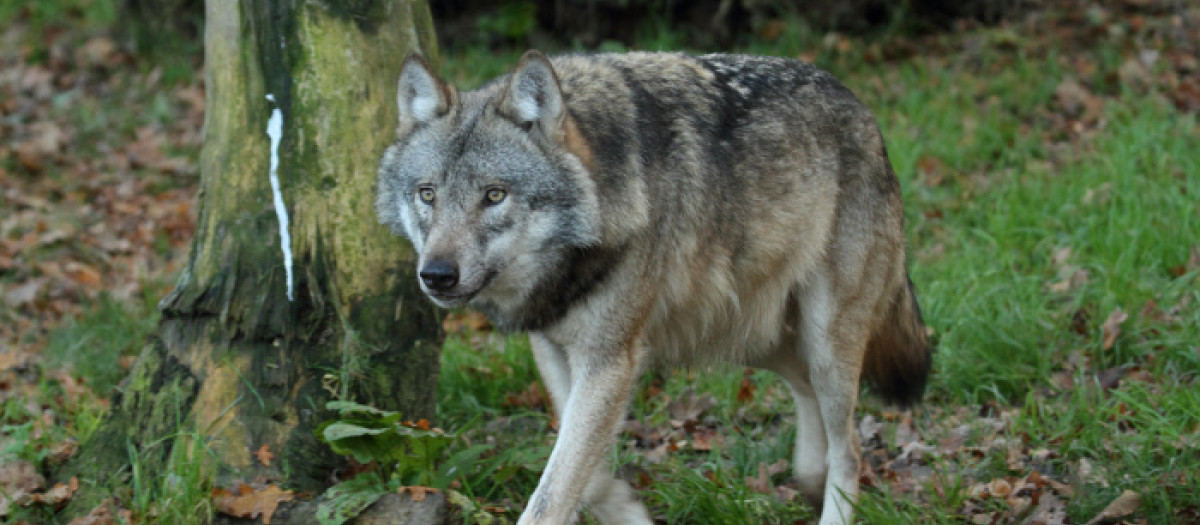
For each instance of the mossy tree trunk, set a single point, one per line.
(233, 358)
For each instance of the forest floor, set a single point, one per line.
(1051, 175)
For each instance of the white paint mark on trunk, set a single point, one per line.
(275, 132)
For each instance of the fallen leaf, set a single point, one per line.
(1125, 504)
(57, 496)
(97, 51)
(24, 293)
(786, 494)
(1049, 511)
(83, 274)
(704, 439)
(1110, 378)
(466, 321)
(745, 392)
(417, 492)
(906, 432)
(20, 476)
(264, 455)
(762, 482)
(689, 407)
(1134, 73)
(1112, 328)
(249, 502)
(533, 397)
(932, 170)
(104, 514)
(999, 488)
(1077, 101)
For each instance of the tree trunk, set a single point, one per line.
(255, 338)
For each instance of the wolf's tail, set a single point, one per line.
(899, 356)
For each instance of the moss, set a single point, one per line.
(233, 357)
(150, 405)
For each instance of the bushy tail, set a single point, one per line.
(899, 356)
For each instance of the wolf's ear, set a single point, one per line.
(533, 95)
(422, 97)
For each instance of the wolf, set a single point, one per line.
(647, 210)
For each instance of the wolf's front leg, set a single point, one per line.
(610, 500)
(600, 381)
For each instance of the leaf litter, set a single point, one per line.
(97, 191)
(90, 212)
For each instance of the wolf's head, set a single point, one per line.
(491, 186)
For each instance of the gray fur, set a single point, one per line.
(664, 210)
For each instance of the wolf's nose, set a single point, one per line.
(439, 275)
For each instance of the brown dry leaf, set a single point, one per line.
(1112, 327)
(1192, 264)
(249, 502)
(1049, 511)
(953, 442)
(58, 495)
(1125, 504)
(704, 439)
(932, 170)
(12, 358)
(534, 396)
(466, 321)
(46, 138)
(264, 455)
(83, 274)
(193, 95)
(689, 406)
(20, 476)
(1110, 378)
(1134, 73)
(62, 451)
(103, 515)
(417, 492)
(762, 482)
(24, 293)
(745, 392)
(97, 51)
(1077, 101)
(906, 432)
(999, 488)
(1151, 312)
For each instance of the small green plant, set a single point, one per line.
(408, 451)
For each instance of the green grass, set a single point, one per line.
(996, 187)
(92, 345)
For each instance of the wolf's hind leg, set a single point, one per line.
(832, 352)
(808, 458)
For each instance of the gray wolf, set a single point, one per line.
(643, 210)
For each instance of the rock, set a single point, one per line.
(401, 509)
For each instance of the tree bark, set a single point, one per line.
(234, 358)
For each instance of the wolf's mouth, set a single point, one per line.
(456, 298)
(450, 299)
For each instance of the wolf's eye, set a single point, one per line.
(495, 195)
(426, 194)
